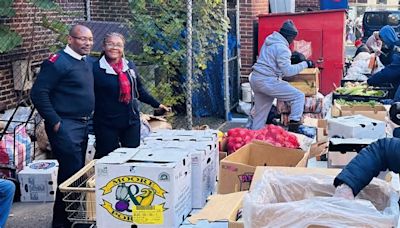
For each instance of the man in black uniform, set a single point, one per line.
(64, 96)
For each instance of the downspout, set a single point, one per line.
(87, 6)
(226, 70)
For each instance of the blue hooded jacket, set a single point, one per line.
(378, 156)
(391, 72)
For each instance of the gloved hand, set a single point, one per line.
(344, 191)
(310, 63)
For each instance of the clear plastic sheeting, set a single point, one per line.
(280, 200)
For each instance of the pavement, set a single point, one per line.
(26, 215)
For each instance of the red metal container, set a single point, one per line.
(326, 32)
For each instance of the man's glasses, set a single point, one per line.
(83, 39)
(111, 45)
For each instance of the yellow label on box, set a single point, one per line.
(148, 214)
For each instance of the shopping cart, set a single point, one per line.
(79, 196)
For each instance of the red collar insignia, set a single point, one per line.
(53, 58)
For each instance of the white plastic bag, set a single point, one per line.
(281, 200)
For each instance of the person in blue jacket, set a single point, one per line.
(391, 60)
(117, 89)
(266, 81)
(379, 156)
(7, 191)
(63, 94)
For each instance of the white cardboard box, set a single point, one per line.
(38, 181)
(202, 169)
(357, 126)
(158, 183)
(207, 136)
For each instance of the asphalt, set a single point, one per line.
(26, 215)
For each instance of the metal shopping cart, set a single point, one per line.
(79, 196)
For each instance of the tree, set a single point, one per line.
(161, 27)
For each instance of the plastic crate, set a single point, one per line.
(348, 97)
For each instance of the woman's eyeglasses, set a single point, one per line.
(111, 45)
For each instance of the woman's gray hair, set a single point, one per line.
(111, 34)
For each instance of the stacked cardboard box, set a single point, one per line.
(313, 107)
(349, 134)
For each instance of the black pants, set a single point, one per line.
(68, 145)
(110, 138)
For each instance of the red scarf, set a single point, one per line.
(124, 83)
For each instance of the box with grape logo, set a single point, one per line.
(143, 187)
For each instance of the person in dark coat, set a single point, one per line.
(379, 156)
(63, 95)
(118, 89)
(391, 60)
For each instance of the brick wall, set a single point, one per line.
(304, 5)
(105, 10)
(35, 40)
(249, 9)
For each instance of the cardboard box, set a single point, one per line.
(357, 126)
(160, 183)
(292, 171)
(202, 170)
(307, 81)
(38, 181)
(342, 151)
(272, 202)
(206, 136)
(237, 169)
(220, 211)
(378, 112)
(322, 128)
(312, 104)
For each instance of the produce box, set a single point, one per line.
(342, 151)
(356, 126)
(359, 92)
(144, 187)
(221, 211)
(38, 181)
(237, 169)
(284, 200)
(312, 104)
(321, 125)
(202, 170)
(371, 109)
(307, 81)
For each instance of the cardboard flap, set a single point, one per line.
(305, 142)
(337, 141)
(119, 156)
(313, 122)
(220, 208)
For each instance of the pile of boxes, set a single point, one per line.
(159, 183)
(308, 83)
(348, 135)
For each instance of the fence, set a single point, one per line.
(30, 30)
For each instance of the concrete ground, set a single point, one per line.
(26, 215)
